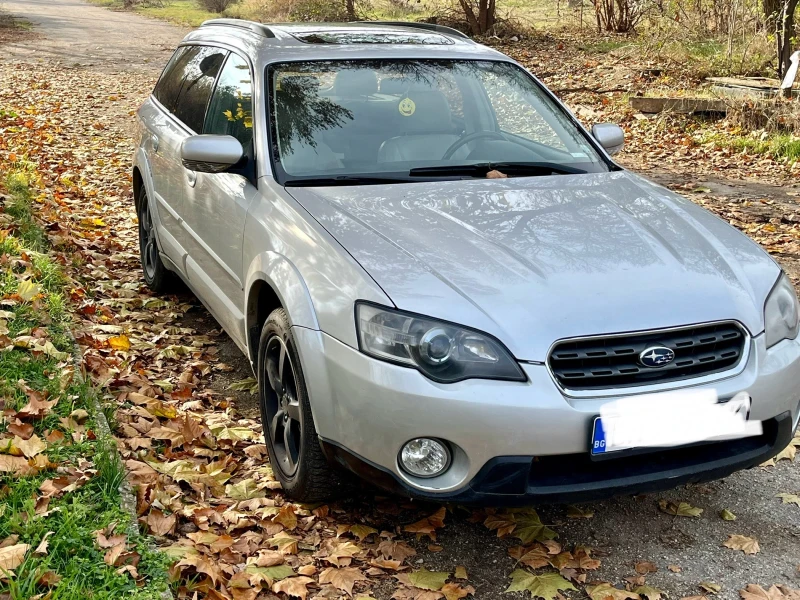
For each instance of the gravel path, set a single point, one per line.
(92, 43)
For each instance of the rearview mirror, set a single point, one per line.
(211, 153)
(610, 136)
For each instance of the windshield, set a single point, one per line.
(375, 120)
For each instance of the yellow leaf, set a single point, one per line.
(27, 290)
(120, 342)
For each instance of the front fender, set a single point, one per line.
(282, 276)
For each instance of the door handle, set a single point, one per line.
(191, 177)
(154, 142)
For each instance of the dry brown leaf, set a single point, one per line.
(342, 578)
(160, 524)
(740, 542)
(295, 587)
(12, 556)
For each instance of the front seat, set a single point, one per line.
(427, 131)
(356, 139)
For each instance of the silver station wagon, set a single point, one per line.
(443, 282)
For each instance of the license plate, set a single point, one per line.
(650, 421)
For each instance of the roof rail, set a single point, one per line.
(418, 25)
(256, 28)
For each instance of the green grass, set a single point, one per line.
(778, 146)
(73, 518)
(180, 12)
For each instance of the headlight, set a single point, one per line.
(781, 312)
(442, 351)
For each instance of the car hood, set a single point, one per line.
(534, 260)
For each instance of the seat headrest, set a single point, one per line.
(395, 85)
(431, 113)
(353, 83)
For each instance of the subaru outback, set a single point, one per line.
(443, 281)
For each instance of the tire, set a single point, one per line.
(156, 275)
(294, 449)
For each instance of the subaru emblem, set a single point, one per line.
(656, 356)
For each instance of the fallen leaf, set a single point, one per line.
(41, 549)
(428, 580)
(342, 578)
(776, 592)
(120, 342)
(293, 586)
(245, 490)
(606, 591)
(30, 447)
(12, 556)
(545, 586)
(428, 525)
(740, 542)
(649, 592)
(789, 498)
(461, 572)
(28, 290)
(453, 591)
(710, 587)
(680, 509)
(727, 515)
(644, 567)
(159, 523)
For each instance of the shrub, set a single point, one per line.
(216, 6)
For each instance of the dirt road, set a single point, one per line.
(96, 66)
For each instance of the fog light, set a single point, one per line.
(425, 457)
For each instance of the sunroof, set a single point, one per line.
(371, 36)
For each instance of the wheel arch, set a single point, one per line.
(138, 182)
(274, 282)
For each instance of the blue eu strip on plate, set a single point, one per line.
(598, 438)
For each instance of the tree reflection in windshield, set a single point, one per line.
(301, 113)
(390, 116)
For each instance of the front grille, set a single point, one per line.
(609, 362)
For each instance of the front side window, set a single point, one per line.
(231, 109)
(393, 118)
(199, 74)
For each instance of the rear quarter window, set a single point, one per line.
(200, 75)
(169, 84)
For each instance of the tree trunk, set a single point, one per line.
(785, 36)
(350, 7)
(771, 10)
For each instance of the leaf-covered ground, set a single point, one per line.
(192, 444)
(59, 470)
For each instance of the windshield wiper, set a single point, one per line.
(509, 168)
(345, 180)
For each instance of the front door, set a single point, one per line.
(216, 205)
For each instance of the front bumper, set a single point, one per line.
(521, 442)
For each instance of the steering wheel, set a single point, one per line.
(493, 135)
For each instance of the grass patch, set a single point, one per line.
(33, 305)
(780, 146)
(180, 12)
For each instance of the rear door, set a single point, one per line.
(217, 204)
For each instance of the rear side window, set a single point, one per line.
(199, 75)
(169, 84)
(231, 108)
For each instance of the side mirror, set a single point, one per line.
(211, 153)
(610, 136)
